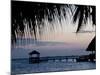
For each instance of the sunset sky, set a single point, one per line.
(58, 42)
(57, 38)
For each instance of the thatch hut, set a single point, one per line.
(34, 57)
(92, 47)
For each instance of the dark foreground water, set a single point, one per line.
(22, 66)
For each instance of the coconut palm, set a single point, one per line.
(30, 12)
(82, 14)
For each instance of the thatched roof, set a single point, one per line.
(92, 45)
(34, 52)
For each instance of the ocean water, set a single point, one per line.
(22, 66)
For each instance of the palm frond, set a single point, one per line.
(82, 14)
(31, 12)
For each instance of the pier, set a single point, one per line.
(34, 57)
(60, 58)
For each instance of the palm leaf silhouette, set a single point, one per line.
(30, 12)
(22, 12)
(83, 13)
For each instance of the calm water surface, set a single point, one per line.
(22, 66)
